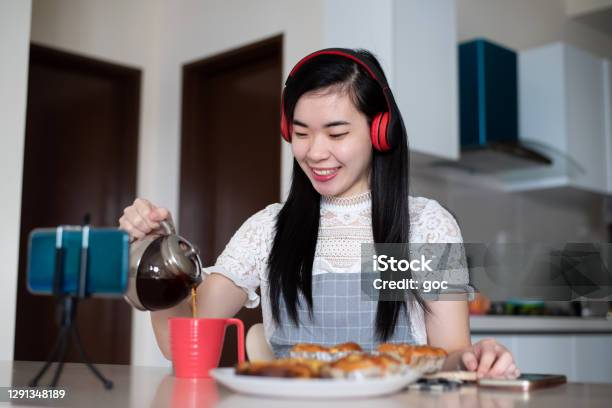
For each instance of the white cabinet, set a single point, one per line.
(425, 74)
(548, 354)
(564, 103)
(581, 357)
(593, 358)
(416, 42)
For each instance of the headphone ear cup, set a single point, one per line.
(285, 132)
(384, 134)
(374, 131)
(378, 132)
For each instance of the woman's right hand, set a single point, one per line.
(143, 218)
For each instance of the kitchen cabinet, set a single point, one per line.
(583, 358)
(416, 42)
(577, 348)
(425, 74)
(564, 106)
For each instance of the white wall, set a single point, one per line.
(580, 7)
(14, 49)
(346, 25)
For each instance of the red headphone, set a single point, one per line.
(381, 130)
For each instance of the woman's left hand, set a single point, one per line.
(490, 359)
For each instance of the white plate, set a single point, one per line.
(312, 388)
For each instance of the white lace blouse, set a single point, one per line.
(345, 224)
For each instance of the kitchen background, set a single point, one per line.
(417, 44)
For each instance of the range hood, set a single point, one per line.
(493, 167)
(488, 100)
(495, 157)
(494, 153)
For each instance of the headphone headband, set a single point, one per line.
(343, 52)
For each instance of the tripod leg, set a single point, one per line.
(108, 384)
(62, 356)
(58, 342)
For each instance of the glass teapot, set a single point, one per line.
(163, 269)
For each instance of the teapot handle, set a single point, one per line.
(168, 228)
(195, 257)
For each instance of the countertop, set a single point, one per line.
(539, 324)
(157, 387)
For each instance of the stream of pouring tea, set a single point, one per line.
(194, 309)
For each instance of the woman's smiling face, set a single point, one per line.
(330, 140)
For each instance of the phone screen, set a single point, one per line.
(535, 377)
(107, 261)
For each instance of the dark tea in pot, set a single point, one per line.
(162, 284)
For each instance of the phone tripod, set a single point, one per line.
(68, 304)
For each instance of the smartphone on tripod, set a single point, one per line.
(73, 263)
(105, 251)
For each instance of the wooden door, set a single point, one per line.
(230, 150)
(80, 157)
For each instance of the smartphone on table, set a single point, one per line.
(526, 382)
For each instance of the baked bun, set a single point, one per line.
(308, 348)
(285, 368)
(362, 366)
(318, 352)
(426, 358)
(403, 352)
(349, 347)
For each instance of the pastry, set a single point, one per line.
(349, 347)
(348, 361)
(358, 366)
(286, 368)
(424, 358)
(318, 352)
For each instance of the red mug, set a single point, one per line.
(196, 344)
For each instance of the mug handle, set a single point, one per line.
(240, 326)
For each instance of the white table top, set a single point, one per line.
(157, 387)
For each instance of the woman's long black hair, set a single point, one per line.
(297, 226)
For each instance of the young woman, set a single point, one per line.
(350, 186)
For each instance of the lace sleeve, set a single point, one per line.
(438, 226)
(245, 257)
